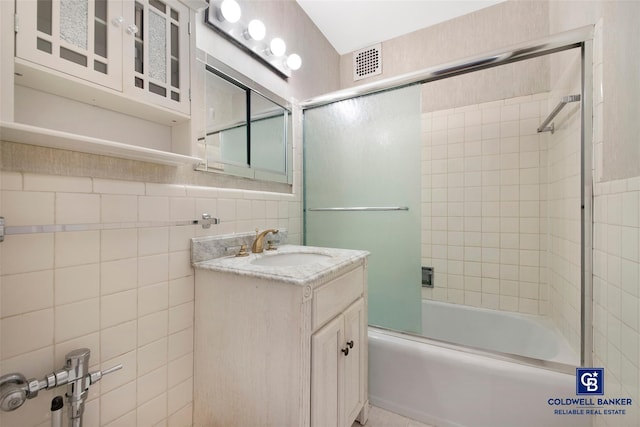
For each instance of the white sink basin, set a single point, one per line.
(290, 259)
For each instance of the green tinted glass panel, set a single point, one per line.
(365, 152)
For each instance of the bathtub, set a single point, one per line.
(498, 331)
(452, 386)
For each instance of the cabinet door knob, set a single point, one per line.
(132, 29)
(118, 21)
(350, 344)
(345, 351)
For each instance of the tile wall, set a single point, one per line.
(616, 267)
(484, 204)
(125, 293)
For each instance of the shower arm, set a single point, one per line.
(564, 101)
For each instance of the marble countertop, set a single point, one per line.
(338, 261)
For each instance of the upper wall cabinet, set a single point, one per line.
(138, 48)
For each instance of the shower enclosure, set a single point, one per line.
(362, 163)
(455, 169)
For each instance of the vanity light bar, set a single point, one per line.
(225, 17)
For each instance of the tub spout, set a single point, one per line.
(258, 244)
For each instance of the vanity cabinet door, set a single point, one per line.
(81, 38)
(326, 374)
(338, 369)
(355, 323)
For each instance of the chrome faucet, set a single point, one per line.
(15, 389)
(258, 244)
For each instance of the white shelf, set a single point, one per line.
(33, 135)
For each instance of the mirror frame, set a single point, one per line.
(223, 71)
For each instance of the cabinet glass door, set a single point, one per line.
(82, 38)
(156, 52)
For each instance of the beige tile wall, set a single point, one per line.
(484, 189)
(616, 266)
(124, 293)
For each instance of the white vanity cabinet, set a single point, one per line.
(338, 369)
(137, 48)
(274, 353)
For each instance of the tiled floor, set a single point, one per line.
(381, 418)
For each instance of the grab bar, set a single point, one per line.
(206, 222)
(360, 209)
(564, 101)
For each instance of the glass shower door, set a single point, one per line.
(362, 191)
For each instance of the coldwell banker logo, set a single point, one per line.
(590, 381)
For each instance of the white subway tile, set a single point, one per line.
(227, 209)
(77, 208)
(152, 208)
(10, 180)
(180, 343)
(22, 293)
(38, 246)
(77, 319)
(109, 186)
(630, 209)
(118, 244)
(153, 269)
(181, 290)
(180, 264)
(180, 395)
(28, 208)
(126, 420)
(117, 276)
(118, 308)
(26, 332)
(153, 189)
(118, 340)
(153, 298)
(182, 417)
(117, 403)
(116, 208)
(77, 283)
(154, 240)
(69, 184)
(180, 238)
(183, 208)
(153, 327)
(152, 356)
(151, 385)
(76, 248)
(180, 369)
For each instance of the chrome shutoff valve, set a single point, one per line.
(15, 389)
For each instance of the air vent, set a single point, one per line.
(367, 62)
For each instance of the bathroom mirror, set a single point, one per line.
(247, 129)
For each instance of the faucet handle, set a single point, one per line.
(96, 376)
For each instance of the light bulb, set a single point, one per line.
(294, 62)
(256, 29)
(230, 10)
(277, 46)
